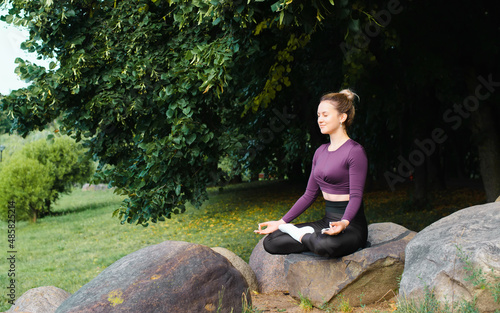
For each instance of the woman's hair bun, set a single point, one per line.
(349, 94)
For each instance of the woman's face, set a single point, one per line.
(328, 117)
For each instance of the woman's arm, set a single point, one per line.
(308, 198)
(310, 195)
(358, 168)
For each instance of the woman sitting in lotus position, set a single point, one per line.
(338, 172)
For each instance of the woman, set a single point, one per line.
(338, 172)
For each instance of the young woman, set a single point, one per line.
(338, 172)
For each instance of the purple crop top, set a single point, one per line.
(341, 172)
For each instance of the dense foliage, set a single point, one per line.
(5, 122)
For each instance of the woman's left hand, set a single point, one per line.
(336, 228)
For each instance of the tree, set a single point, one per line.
(26, 182)
(67, 161)
(144, 82)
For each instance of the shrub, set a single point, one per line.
(67, 163)
(26, 182)
(35, 175)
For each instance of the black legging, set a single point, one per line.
(353, 238)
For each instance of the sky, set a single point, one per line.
(11, 38)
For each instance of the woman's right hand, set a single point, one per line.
(270, 227)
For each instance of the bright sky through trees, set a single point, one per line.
(11, 38)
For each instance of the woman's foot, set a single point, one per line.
(296, 232)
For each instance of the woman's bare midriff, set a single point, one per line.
(332, 197)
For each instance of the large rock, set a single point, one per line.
(168, 277)
(40, 300)
(240, 265)
(433, 257)
(363, 277)
(269, 269)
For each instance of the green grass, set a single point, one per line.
(306, 304)
(71, 248)
(430, 303)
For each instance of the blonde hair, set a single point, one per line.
(343, 101)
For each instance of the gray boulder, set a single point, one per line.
(363, 277)
(88, 187)
(435, 258)
(40, 300)
(171, 276)
(269, 269)
(240, 265)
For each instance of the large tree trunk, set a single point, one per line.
(485, 130)
(487, 141)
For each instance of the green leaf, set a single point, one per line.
(240, 8)
(78, 41)
(216, 21)
(354, 25)
(275, 7)
(190, 138)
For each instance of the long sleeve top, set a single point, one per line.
(342, 171)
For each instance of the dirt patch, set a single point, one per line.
(283, 302)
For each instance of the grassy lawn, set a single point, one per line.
(71, 248)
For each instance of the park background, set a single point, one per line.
(176, 102)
